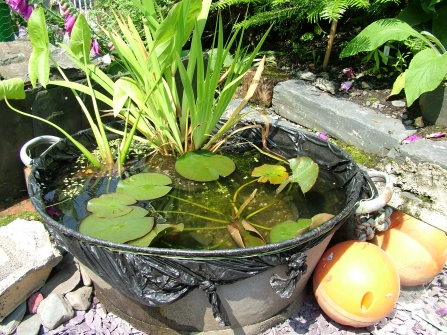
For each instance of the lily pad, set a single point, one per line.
(160, 229)
(319, 219)
(275, 174)
(289, 229)
(111, 205)
(119, 229)
(304, 172)
(204, 165)
(145, 186)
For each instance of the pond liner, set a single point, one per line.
(157, 276)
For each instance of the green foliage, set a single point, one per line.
(426, 70)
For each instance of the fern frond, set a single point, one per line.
(270, 17)
(222, 4)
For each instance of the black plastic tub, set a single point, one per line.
(181, 291)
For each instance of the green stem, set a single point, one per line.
(434, 39)
(240, 189)
(196, 215)
(204, 228)
(262, 209)
(260, 227)
(83, 149)
(196, 204)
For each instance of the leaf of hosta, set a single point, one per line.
(12, 89)
(275, 174)
(426, 71)
(376, 34)
(145, 186)
(80, 38)
(319, 219)
(289, 229)
(399, 84)
(160, 229)
(203, 165)
(119, 229)
(38, 65)
(111, 205)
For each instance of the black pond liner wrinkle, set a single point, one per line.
(157, 276)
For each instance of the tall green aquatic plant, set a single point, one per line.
(155, 96)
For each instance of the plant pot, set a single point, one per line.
(173, 291)
(434, 105)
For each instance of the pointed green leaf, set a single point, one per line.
(160, 229)
(120, 229)
(376, 34)
(80, 38)
(126, 88)
(203, 165)
(399, 84)
(145, 186)
(12, 89)
(426, 71)
(289, 229)
(275, 174)
(111, 205)
(38, 66)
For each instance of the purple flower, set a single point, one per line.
(322, 136)
(346, 85)
(411, 138)
(441, 311)
(69, 23)
(111, 46)
(94, 46)
(22, 7)
(348, 73)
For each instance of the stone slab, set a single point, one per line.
(362, 127)
(422, 151)
(27, 260)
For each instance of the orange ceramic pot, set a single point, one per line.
(418, 249)
(356, 283)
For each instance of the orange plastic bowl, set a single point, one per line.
(356, 283)
(418, 250)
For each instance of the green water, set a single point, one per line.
(205, 209)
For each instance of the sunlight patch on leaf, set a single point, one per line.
(275, 174)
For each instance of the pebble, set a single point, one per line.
(54, 310)
(34, 301)
(398, 103)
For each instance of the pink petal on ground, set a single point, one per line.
(435, 135)
(411, 138)
(346, 85)
(322, 136)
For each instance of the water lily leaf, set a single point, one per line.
(111, 205)
(289, 229)
(304, 172)
(251, 235)
(203, 165)
(275, 174)
(160, 229)
(145, 186)
(119, 229)
(319, 219)
(236, 235)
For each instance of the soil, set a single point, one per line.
(369, 89)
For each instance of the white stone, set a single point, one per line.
(30, 325)
(81, 298)
(28, 259)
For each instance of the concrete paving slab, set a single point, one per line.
(302, 103)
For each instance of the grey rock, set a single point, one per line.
(26, 259)
(54, 311)
(398, 103)
(86, 280)
(306, 75)
(30, 325)
(64, 281)
(81, 298)
(11, 322)
(365, 85)
(325, 85)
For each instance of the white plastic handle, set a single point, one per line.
(40, 140)
(373, 205)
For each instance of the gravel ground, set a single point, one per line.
(420, 310)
